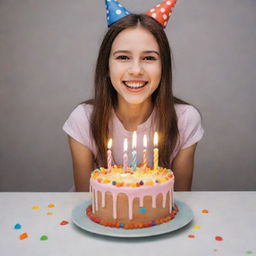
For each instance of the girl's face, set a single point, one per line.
(135, 65)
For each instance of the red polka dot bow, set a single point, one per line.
(162, 11)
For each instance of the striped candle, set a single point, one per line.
(134, 153)
(155, 151)
(145, 151)
(125, 157)
(109, 154)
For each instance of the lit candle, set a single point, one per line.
(155, 151)
(109, 157)
(125, 157)
(145, 151)
(134, 154)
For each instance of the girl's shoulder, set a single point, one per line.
(186, 110)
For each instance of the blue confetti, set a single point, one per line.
(142, 210)
(17, 226)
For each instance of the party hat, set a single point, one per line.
(162, 11)
(115, 11)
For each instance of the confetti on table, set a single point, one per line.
(43, 238)
(191, 236)
(51, 205)
(205, 211)
(196, 227)
(35, 207)
(17, 226)
(23, 236)
(218, 238)
(249, 252)
(64, 222)
(49, 213)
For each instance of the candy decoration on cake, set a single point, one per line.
(115, 11)
(162, 12)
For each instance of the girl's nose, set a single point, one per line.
(135, 68)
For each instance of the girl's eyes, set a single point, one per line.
(123, 57)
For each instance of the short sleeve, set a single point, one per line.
(190, 126)
(77, 125)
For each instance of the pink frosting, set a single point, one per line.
(138, 192)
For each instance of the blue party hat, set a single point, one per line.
(115, 11)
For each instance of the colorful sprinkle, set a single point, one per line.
(142, 210)
(43, 238)
(64, 222)
(51, 205)
(205, 211)
(23, 236)
(35, 207)
(17, 226)
(114, 183)
(121, 225)
(191, 236)
(218, 238)
(196, 227)
(49, 213)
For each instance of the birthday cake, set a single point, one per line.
(131, 199)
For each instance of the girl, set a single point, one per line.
(133, 91)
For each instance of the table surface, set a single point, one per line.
(231, 216)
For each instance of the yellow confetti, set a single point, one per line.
(51, 205)
(35, 207)
(49, 213)
(196, 227)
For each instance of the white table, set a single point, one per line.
(232, 215)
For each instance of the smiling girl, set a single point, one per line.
(133, 91)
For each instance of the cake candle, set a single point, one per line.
(155, 151)
(109, 154)
(125, 157)
(134, 153)
(145, 151)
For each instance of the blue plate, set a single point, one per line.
(182, 218)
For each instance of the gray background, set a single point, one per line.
(47, 56)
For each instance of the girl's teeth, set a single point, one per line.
(134, 85)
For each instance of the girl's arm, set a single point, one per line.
(182, 166)
(82, 164)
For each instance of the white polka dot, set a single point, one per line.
(107, 11)
(158, 5)
(108, 18)
(109, 0)
(162, 10)
(165, 17)
(152, 10)
(154, 15)
(168, 2)
(120, 5)
(118, 12)
(127, 12)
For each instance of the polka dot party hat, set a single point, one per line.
(162, 11)
(115, 11)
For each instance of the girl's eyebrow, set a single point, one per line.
(126, 51)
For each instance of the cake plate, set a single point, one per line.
(182, 218)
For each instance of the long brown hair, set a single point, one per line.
(105, 96)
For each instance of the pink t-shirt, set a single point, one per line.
(189, 124)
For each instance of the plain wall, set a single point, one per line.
(47, 56)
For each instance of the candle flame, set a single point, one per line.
(134, 140)
(145, 140)
(109, 143)
(125, 144)
(155, 139)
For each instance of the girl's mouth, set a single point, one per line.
(135, 85)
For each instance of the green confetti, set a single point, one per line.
(249, 252)
(43, 238)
